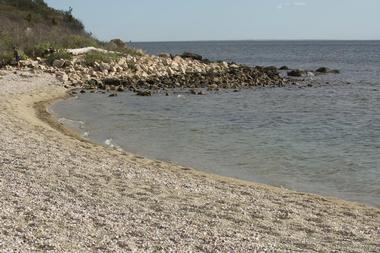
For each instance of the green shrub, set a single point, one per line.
(22, 54)
(60, 55)
(96, 56)
(40, 50)
(7, 57)
(131, 51)
(6, 42)
(121, 47)
(79, 41)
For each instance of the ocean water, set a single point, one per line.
(323, 139)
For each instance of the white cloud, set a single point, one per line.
(291, 4)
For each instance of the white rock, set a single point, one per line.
(62, 77)
(171, 71)
(104, 66)
(122, 61)
(58, 63)
(29, 63)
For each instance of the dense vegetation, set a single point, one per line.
(33, 27)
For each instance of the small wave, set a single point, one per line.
(72, 123)
(109, 143)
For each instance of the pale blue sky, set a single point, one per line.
(173, 20)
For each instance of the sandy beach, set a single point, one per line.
(59, 193)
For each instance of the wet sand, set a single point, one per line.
(64, 194)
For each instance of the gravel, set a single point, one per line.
(63, 194)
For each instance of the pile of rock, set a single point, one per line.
(154, 73)
(231, 77)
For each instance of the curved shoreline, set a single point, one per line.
(148, 204)
(42, 110)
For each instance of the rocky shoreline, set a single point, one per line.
(149, 74)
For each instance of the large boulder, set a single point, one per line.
(29, 63)
(143, 93)
(324, 70)
(192, 56)
(165, 55)
(297, 73)
(271, 70)
(112, 81)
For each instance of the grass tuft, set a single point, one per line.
(95, 56)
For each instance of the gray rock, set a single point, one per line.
(324, 70)
(165, 55)
(297, 73)
(58, 63)
(145, 93)
(192, 56)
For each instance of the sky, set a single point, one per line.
(188, 20)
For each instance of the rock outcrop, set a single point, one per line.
(147, 74)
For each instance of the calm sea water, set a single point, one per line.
(323, 139)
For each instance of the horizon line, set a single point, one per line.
(257, 40)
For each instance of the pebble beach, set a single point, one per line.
(60, 193)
